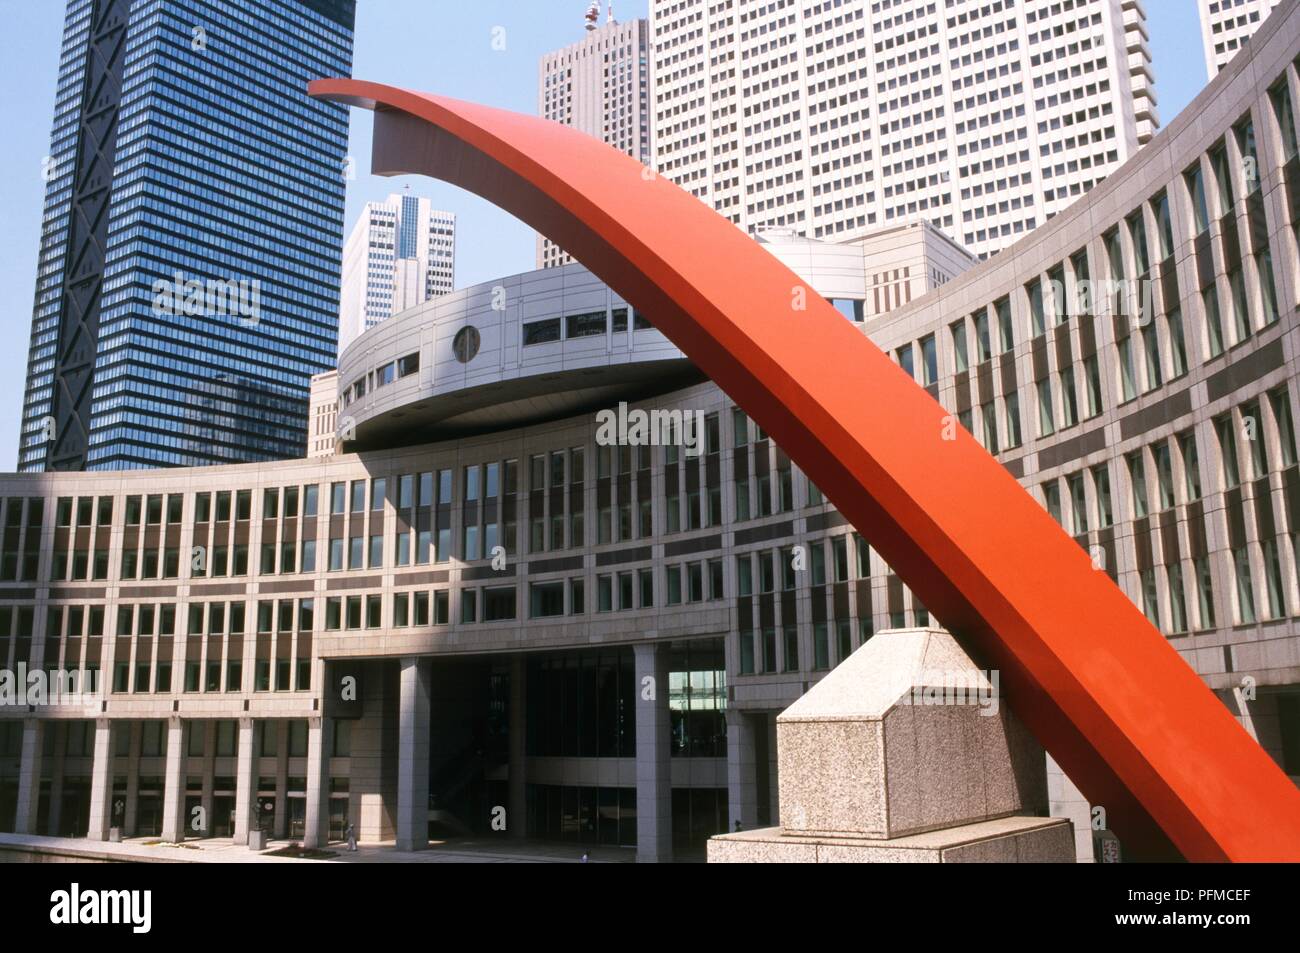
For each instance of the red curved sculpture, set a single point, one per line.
(1103, 691)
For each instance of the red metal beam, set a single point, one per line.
(1103, 691)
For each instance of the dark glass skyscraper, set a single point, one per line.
(187, 285)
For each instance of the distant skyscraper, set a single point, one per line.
(1226, 24)
(400, 253)
(187, 285)
(599, 85)
(837, 118)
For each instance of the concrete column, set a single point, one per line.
(133, 779)
(173, 822)
(29, 777)
(316, 827)
(101, 781)
(654, 788)
(516, 810)
(413, 756)
(60, 730)
(742, 765)
(280, 826)
(245, 780)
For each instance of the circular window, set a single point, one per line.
(465, 344)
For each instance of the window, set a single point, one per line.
(905, 361)
(1069, 398)
(1245, 586)
(1052, 500)
(1014, 438)
(1191, 465)
(541, 332)
(1137, 231)
(1177, 344)
(983, 343)
(1222, 178)
(1245, 133)
(1037, 321)
(1046, 415)
(1137, 473)
(1164, 225)
(1007, 332)
(1204, 593)
(1078, 504)
(989, 414)
(1281, 404)
(1164, 474)
(929, 360)
(1273, 579)
(1177, 600)
(499, 604)
(585, 325)
(1213, 323)
(1240, 316)
(1195, 182)
(1280, 96)
(1228, 451)
(1150, 596)
(1267, 286)
(959, 355)
(1092, 382)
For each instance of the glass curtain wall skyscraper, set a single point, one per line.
(188, 276)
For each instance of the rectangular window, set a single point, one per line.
(1213, 322)
(1245, 586)
(1014, 437)
(1177, 599)
(1204, 593)
(1137, 474)
(1164, 474)
(1191, 465)
(959, 355)
(1046, 415)
(1177, 342)
(1195, 182)
(1231, 472)
(1005, 328)
(541, 332)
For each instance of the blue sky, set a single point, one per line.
(439, 45)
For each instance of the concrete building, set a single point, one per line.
(601, 85)
(323, 415)
(401, 252)
(835, 118)
(344, 639)
(1226, 25)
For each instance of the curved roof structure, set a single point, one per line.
(1083, 668)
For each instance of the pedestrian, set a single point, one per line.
(351, 835)
(584, 858)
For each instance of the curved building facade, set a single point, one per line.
(591, 641)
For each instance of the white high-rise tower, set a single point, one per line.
(599, 85)
(401, 253)
(837, 117)
(1226, 25)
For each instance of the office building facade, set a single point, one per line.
(834, 117)
(1226, 25)
(188, 272)
(344, 640)
(400, 253)
(601, 85)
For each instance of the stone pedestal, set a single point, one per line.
(905, 753)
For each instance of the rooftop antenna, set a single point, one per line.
(610, 17)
